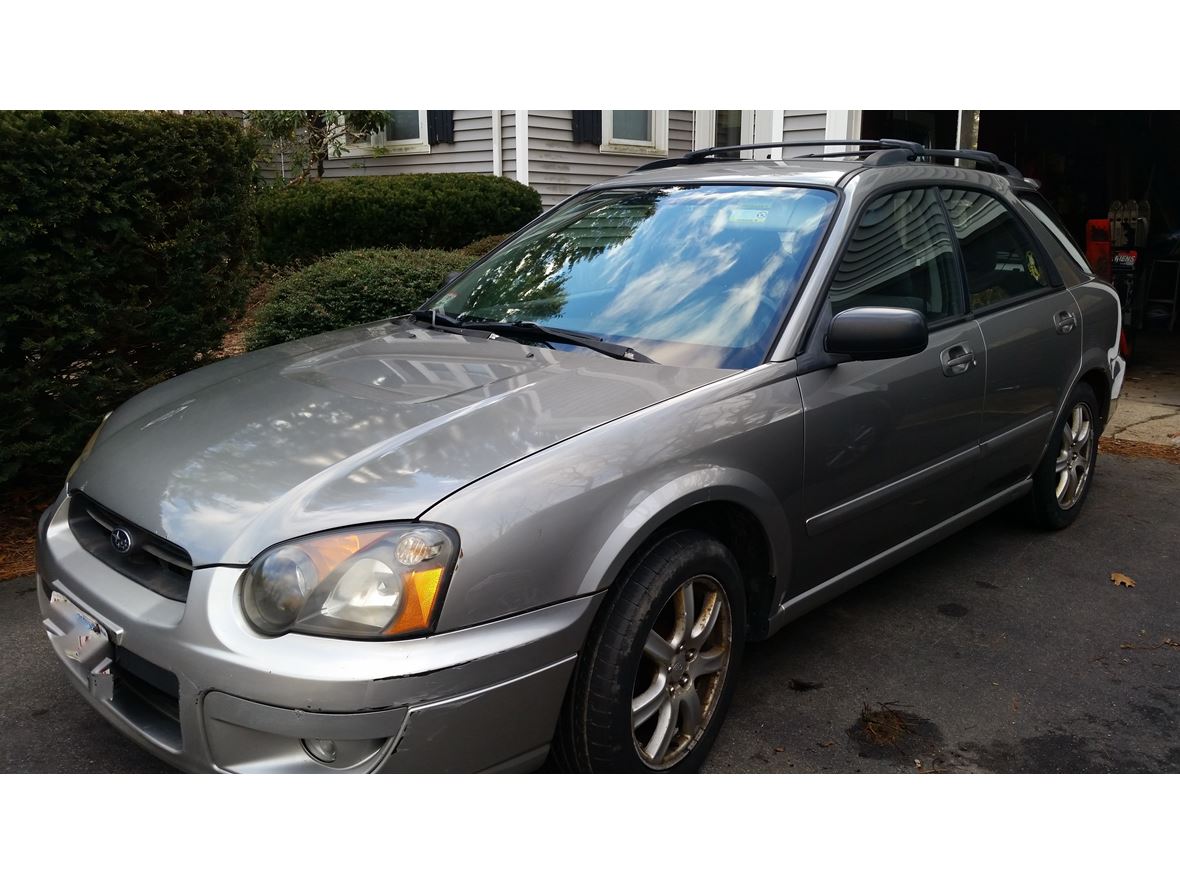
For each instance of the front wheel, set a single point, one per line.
(1062, 481)
(658, 671)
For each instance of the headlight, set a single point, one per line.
(88, 448)
(379, 582)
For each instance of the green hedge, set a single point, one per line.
(484, 245)
(439, 211)
(351, 288)
(125, 244)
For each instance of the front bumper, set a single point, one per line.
(195, 685)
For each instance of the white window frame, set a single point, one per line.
(705, 125)
(656, 147)
(379, 145)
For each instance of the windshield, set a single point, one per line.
(698, 276)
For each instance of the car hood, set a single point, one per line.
(362, 425)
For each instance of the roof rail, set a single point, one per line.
(876, 152)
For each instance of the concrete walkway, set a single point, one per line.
(1149, 409)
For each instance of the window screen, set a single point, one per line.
(1000, 259)
(901, 255)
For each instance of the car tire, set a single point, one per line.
(667, 643)
(1059, 492)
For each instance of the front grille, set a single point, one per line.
(155, 563)
(148, 696)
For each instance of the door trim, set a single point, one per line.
(891, 491)
(797, 606)
(1004, 437)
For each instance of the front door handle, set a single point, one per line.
(1065, 322)
(956, 359)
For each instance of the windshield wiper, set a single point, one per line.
(523, 329)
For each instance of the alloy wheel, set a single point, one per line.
(682, 671)
(1075, 457)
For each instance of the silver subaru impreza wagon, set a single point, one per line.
(540, 517)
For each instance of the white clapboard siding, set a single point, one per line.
(471, 152)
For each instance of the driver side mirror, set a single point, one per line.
(877, 333)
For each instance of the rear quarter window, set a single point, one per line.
(1049, 219)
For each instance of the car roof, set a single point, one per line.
(834, 173)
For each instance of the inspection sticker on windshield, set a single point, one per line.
(748, 216)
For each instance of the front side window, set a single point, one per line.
(900, 255)
(1000, 258)
(686, 275)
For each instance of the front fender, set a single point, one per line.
(561, 523)
(661, 505)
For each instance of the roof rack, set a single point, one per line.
(875, 152)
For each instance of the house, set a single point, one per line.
(567, 150)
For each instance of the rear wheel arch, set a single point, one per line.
(1098, 381)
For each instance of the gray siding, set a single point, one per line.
(803, 126)
(559, 168)
(679, 132)
(508, 142)
(471, 152)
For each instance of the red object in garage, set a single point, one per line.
(1098, 246)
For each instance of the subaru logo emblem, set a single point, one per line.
(121, 540)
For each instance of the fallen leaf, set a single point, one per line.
(1121, 580)
(778, 749)
(826, 744)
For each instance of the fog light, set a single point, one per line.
(321, 749)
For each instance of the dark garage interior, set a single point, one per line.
(1112, 174)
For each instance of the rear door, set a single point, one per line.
(890, 444)
(1031, 328)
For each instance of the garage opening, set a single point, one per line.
(1120, 167)
(1114, 178)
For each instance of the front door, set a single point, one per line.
(890, 444)
(1032, 330)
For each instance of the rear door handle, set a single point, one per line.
(1065, 322)
(956, 359)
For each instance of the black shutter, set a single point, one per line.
(587, 127)
(440, 127)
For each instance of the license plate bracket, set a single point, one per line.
(83, 640)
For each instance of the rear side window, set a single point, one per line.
(900, 255)
(1045, 214)
(1000, 258)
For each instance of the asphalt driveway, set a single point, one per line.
(1002, 649)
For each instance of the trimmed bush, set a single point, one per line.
(438, 211)
(125, 245)
(484, 245)
(349, 289)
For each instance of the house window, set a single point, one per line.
(403, 126)
(405, 133)
(635, 132)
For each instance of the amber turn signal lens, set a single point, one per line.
(421, 592)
